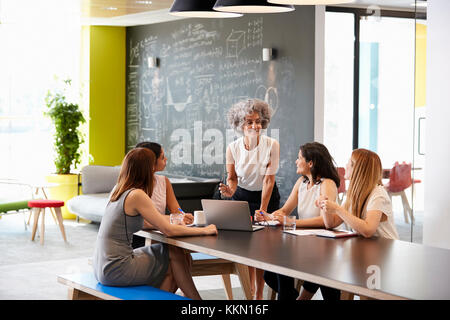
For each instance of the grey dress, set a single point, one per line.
(115, 262)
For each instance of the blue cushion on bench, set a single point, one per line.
(125, 293)
(202, 256)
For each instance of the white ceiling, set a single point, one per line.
(122, 12)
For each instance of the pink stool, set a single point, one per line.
(38, 206)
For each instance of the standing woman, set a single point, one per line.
(115, 261)
(252, 162)
(367, 208)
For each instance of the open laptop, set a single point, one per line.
(229, 215)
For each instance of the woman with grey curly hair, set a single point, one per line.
(252, 162)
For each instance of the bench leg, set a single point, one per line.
(244, 278)
(75, 294)
(347, 295)
(227, 285)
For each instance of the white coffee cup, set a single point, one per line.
(199, 218)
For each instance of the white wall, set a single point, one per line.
(319, 81)
(436, 228)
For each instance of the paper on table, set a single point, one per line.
(322, 233)
(270, 223)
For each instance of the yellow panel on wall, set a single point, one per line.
(421, 65)
(107, 95)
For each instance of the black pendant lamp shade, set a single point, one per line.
(251, 6)
(310, 2)
(198, 9)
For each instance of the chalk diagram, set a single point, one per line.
(179, 106)
(269, 95)
(235, 43)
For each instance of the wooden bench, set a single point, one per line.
(84, 286)
(206, 265)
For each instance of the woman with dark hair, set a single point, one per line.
(319, 177)
(115, 262)
(163, 195)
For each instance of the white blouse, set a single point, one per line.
(252, 165)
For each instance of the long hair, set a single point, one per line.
(366, 175)
(136, 172)
(323, 163)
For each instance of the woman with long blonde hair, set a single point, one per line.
(367, 209)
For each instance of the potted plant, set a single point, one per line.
(67, 119)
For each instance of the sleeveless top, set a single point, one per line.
(251, 165)
(159, 193)
(115, 262)
(306, 207)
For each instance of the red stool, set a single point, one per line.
(39, 206)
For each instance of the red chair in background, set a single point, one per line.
(399, 180)
(341, 190)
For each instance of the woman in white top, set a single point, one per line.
(163, 195)
(252, 162)
(319, 177)
(367, 208)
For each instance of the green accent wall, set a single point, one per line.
(106, 135)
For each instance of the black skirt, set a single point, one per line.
(254, 199)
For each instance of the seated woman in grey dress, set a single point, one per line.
(160, 265)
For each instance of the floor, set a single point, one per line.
(28, 269)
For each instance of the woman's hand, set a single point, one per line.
(278, 215)
(319, 199)
(210, 230)
(188, 218)
(259, 216)
(329, 206)
(225, 190)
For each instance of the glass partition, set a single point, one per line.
(375, 98)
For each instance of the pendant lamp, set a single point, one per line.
(310, 2)
(198, 9)
(251, 6)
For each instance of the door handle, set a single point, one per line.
(419, 146)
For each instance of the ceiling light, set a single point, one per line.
(251, 6)
(110, 8)
(310, 2)
(143, 2)
(198, 9)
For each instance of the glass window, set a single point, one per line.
(338, 110)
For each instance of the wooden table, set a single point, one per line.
(406, 270)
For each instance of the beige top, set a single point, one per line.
(159, 193)
(379, 200)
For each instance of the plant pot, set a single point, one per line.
(67, 189)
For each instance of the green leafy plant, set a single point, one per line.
(67, 119)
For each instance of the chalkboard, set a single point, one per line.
(203, 66)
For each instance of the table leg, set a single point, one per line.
(244, 278)
(227, 285)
